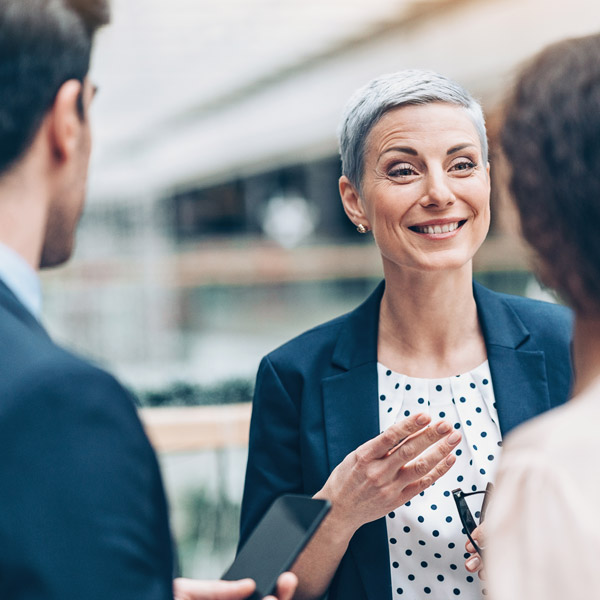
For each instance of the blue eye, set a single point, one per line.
(403, 170)
(463, 166)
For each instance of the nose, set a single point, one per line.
(438, 192)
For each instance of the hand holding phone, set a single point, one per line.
(277, 541)
(196, 589)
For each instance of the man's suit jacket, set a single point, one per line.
(82, 509)
(315, 402)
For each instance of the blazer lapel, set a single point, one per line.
(519, 375)
(351, 412)
(349, 396)
(351, 419)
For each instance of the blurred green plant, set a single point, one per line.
(183, 393)
(210, 529)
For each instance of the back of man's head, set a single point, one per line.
(43, 43)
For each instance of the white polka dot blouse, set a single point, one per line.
(425, 536)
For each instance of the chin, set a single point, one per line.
(449, 261)
(54, 257)
(443, 269)
(439, 262)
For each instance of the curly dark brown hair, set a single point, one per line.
(551, 141)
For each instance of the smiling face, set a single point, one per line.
(424, 191)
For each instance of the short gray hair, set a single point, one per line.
(408, 87)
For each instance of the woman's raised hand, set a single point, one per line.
(387, 471)
(378, 477)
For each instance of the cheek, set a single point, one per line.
(390, 206)
(479, 197)
(484, 217)
(384, 220)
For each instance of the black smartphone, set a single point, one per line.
(277, 540)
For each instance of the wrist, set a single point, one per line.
(338, 523)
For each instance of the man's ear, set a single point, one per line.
(352, 202)
(65, 120)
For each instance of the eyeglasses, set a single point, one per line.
(466, 517)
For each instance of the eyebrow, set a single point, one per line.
(405, 149)
(459, 148)
(413, 152)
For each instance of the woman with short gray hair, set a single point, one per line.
(387, 410)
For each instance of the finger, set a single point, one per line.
(420, 441)
(421, 484)
(191, 589)
(379, 446)
(404, 441)
(478, 534)
(426, 461)
(286, 586)
(473, 564)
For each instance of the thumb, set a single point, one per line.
(194, 589)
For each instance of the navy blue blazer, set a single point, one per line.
(82, 508)
(311, 408)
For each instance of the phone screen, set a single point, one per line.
(277, 540)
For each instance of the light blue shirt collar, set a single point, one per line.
(21, 279)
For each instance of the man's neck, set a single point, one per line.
(23, 212)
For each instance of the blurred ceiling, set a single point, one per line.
(162, 58)
(199, 91)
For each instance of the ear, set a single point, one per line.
(352, 202)
(65, 120)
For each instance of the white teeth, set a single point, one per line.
(446, 228)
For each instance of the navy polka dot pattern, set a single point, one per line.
(425, 539)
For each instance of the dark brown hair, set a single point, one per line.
(43, 43)
(551, 141)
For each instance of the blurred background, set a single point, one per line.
(214, 231)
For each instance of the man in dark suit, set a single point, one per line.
(82, 507)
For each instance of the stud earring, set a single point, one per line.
(361, 228)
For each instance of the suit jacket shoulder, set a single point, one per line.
(546, 321)
(82, 512)
(538, 314)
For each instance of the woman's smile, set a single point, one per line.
(438, 230)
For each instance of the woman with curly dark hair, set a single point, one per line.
(544, 529)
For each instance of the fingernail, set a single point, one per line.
(473, 563)
(454, 438)
(423, 420)
(443, 427)
(450, 460)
